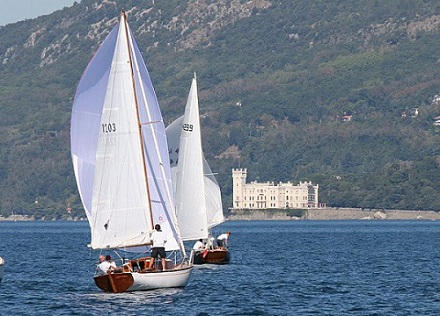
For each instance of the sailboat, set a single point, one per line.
(2, 265)
(120, 159)
(198, 197)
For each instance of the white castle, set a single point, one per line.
(268, 195)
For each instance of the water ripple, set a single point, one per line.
(277, 268)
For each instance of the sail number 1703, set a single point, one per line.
(108, 128)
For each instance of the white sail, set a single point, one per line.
(119, 148)
(214, 207)
(198, 197)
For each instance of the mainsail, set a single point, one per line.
(119, 148)
(198, 197)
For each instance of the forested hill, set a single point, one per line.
(342, 93)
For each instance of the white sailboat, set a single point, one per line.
(2, 265)
(120, 159)
(198, 196)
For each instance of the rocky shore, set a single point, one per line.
(23, 218)
(333, 214)
(306, 214)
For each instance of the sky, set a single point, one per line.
(12, 11)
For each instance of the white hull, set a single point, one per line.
(2, 264)
(158, 280)
(144, 280)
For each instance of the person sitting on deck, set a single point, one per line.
(107, 265)
(158, 239)
(199, 245)
(103, 266)
(113, 266)
(222, 240)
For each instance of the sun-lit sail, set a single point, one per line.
(121, 164)
(198, 197)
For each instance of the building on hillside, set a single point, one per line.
(269, 195)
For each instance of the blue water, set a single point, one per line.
(277, 268)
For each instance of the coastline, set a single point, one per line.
(25, 218)
(333, 214)
(329, 213)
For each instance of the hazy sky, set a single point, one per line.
(17, 10)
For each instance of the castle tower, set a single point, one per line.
(238, 183)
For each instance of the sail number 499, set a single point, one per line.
(108, 128)
(187, 127)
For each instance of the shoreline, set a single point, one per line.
(333, 214)
(25, 218)
(328, 213)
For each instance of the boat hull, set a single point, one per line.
(143, 281)
(215, 256)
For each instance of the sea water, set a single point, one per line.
(277, 268)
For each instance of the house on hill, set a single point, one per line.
(268, 195)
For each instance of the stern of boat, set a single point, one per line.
(215, 256)
(114, 282)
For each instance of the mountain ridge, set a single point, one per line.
(275, 78)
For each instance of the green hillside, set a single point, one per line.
(275, 79)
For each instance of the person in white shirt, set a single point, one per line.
(103, 266)
(198, 245)
(158, 239)
(113, 266)
(222, 240)
(211, 242)
(107, 265)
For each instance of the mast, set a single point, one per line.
(124, 18)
